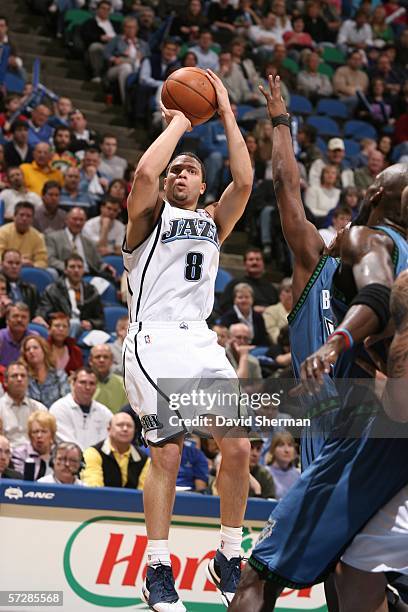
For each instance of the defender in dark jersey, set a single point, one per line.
(310, 528)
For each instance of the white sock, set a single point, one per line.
(231, 538)
(158, 552)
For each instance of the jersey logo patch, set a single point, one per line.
(329, 325)
(147, 340)
(191, 229)
(183, 325)
(150, 422)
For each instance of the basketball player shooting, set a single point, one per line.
(171, 253)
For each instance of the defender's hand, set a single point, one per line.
(275, 103)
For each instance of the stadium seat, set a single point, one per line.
(331, 55)
(324, 126)
(352, 147)
(291, 65)
(116, 261)
(222, 279)
(13, 83)
(333, 108)
(37, 276)
(359, 129)
(398, 151)
(242, 110)
(1, 212)
(112, 314)
(75, 17)
(326, 69)
(300, 105)
(35, 327)
(321, 144)
(108, 297)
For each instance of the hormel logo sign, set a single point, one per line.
(105, 564)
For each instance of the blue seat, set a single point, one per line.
(243, 109)
(1, 212)
(116, 261)
(43, 331)
(300, 105)
(359, 130)
(222, 279)
(37, 276)
(398, 151)
(351, 147)
(324, 126)
(321, 144)
(108, 297)
(112, 314)
(333, 108)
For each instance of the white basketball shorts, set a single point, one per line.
(167, 365)
(382, 546)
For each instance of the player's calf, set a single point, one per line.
(254, 594)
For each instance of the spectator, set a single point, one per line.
(116, 347)
(365, 176)
(62, 156)
(96, 33)
(64, 350)
(261, 483)
(40, 171)
(335, 157)
(62, 109)
(193, 471)
(235, 82)
(283, 23)
(21, 236)
(5, 302)
(32, 459)
(349, 80)
(48, 217)
(206, 57)
(66, 463)
(320, 199)
(297, 39)
(381, 31)
(281, 461)
(366, 146)
(377, 107)
(221, 16)
(14, 62)
(80, 301)
(385, 71)
(245, 64)
(17, 151)
(110, 390)
(315, 25)
(264, 37)
(11, 337)
(17, 289)
(385, 146)
(187, 24)
(147, 26)
(78, 416)
(265, 293)
(39, 129)
(310, 82)
(12, 103)
(355, 33)
(93, 182)
(115, 461)
(5, 454)
(72, 195)
(340, 218)
(82, 137)
(15, 405)
(111, 164)
(308, 150)
(153, 73)
(105, 231)
(124, 54)
(276, 316)
(46, 384)
(62, 243)
(16, 192)
(237, 350)
(242, 311)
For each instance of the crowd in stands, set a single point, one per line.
(64, 415)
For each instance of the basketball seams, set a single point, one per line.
(171, 78)
(187, 113)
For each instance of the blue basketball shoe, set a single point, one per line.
(158, 590)
(225, 574)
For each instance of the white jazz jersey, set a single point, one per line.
(171, 274)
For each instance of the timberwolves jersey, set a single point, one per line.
(347, 366)
(171, 274)
(310, 324)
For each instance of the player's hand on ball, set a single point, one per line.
(275, 103)
(169, 114)
(224, 105)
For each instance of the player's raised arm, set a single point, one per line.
(143, 204)
(302, 236)
(234, 199)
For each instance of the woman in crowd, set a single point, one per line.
(4, 301)
(281, 461)
(33, 459)
(64, 350)
(46, 383)
(320, 199)
(382, 31)
(243, 312)
(385, 146)
(380, 110)
(188, 25)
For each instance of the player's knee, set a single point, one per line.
(236, 451)
(166, 457)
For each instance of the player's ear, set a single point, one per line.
(376, 197)
(203, 188)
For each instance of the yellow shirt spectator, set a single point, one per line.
(22, 237)
(99, 471)
(40, 171)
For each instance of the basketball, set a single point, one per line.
(190, 91)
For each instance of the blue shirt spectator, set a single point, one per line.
(193, 472)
